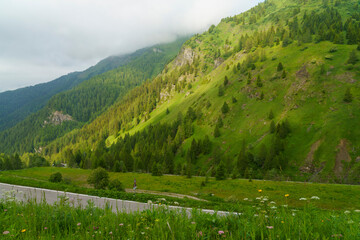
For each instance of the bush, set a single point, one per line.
(99, 178)
(116, 185)
(55, 177)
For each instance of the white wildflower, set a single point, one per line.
(302, 199)
(315, 198)
(246, 199)
(272, 202)
(347, 212)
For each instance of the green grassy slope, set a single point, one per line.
(89, 99)
(312, 39)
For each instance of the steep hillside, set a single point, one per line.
(270, 93)
(16, 105)
(73, 108)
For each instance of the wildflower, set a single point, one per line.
(282, 221)
(269, 227)
(245, 199)
(159, 203)
(285, 205)
(110, 233)
(193, 222)
(273, 207)
(121, 224)
(357, 211)
(315, 198)
(302, 199)
(24, 230)
(287, 195)
(347, 212)
(221, 232)
(45, 228)
(272, 202)
(6, 232)
(5, 210)
(350, 222)
(256, 215)
(156, 220)
(78, 224)
(260, 191)
(176, 203)
(142, 233)
(200, 234)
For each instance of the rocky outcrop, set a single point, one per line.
(57, 118)
(186, 56)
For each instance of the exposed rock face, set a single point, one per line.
(218, 62)
(186, 56)
(57, 118)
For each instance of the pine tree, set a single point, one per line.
(280, 67)
(272, 127)
(352, 58)
(258, 82)
(216, 132)
(225, 108)
(221, 91)
(271, 115)
(220, 123)
(226, 81)
(348, 96)
(234, 100)
(167, 111)
(262, 96)
(283, 75)
(220, 171)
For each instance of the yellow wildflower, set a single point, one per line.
(24, 230)
(259, 190)
(287, 195)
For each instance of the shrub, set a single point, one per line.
(116, 185)
(99, 178)
(55, 177)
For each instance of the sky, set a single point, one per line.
(41, 40)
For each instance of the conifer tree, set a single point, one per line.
(220, 123)
(352, 58)
(258, 82)
(216, 132)
(280, 67)
(225, 108)
(220, 171)
(271, 115)
(348, 96)
(226, 81)
(221, 91)
(272, 127)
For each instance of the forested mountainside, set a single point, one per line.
(16, 105)
(73, 108)
(270, 93)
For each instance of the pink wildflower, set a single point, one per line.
(78, 224)
(45, 228)
(6, 232)
(121, 224)
(269, 227)
(221, 232)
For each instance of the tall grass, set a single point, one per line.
(263, 220)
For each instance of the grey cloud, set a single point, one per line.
(41, 40)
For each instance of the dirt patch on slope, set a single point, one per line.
(303, 73)
(309, 166)
(341, 156)
(347, 77)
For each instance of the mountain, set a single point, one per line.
(271, 93)
(73, 108)
(16, 105)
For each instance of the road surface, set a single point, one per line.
(23, 193)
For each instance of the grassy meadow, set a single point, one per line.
(263, 220)
(230, 191)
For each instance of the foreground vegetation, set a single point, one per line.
(224, 195)
(264, 220)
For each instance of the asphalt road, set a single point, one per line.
(23, 193)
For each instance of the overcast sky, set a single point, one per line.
(41, 40)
